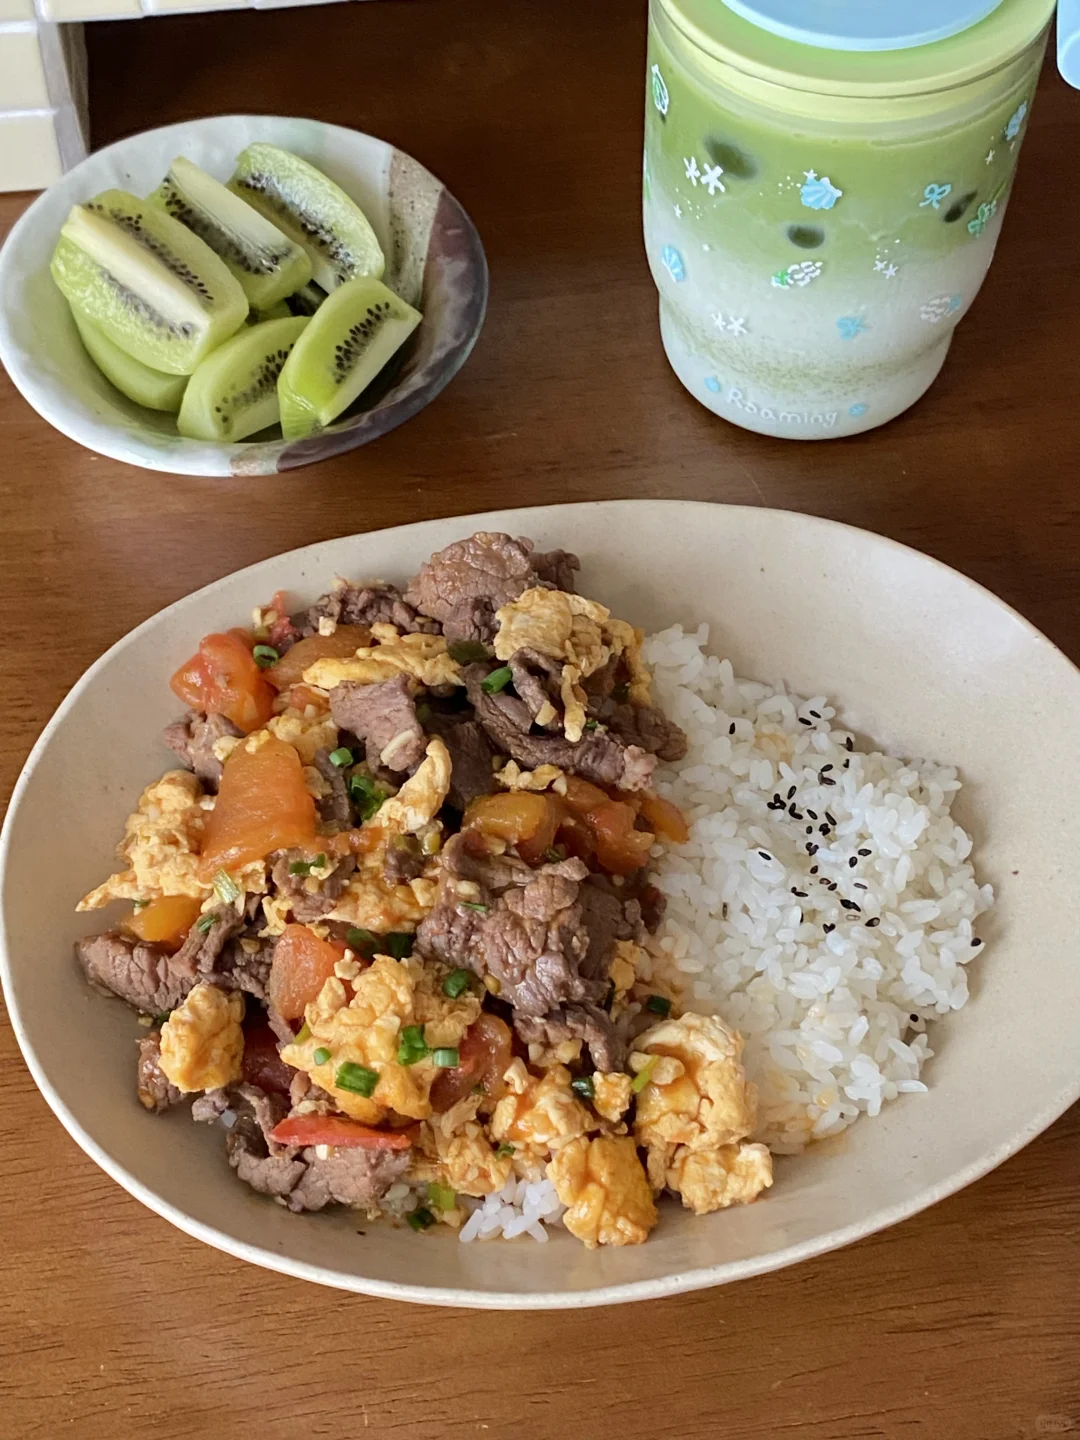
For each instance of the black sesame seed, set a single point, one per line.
(803, 721)
(846, 764)
(764, 854)
(914, 1018)
(795, 814)
(731, 728)
(812, 849)
(860, 886)
(809, 829)
(791, 792)
(812, 814)
(815, 714)
(827, 780)
(976, 942)
(872, 922)
(776, 797)
(849, 743)
(853, 862)
(824, 829)
(864, 852)
(813, 869)
(802, 895)
(826, 768)
(828, 929)
(848, 904)
(829, 818)
(831, 884)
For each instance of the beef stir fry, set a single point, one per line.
(388, 925)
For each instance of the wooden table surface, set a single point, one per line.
(963, 1323)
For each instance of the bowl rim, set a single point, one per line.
(677, 1282)
(44, 398)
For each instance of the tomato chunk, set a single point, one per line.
(518, 817)
(281, 628)
(582, 796)
(262, 805)
(345, 641)
(165, 921)
(664, 817)
(223, 677)
(262, 1064)
(335, 1130)
(302, 965)
(620, 848)
(485, 1053)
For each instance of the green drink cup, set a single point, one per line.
(817, 218)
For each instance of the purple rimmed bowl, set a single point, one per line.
(434, 260)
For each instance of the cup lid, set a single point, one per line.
(864, 24)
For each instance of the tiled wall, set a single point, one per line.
(43, 121)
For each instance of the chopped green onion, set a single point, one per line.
(303, 1035)
(475, 905)
(448, 1058)
(362, 940)
(356, 1078)
(441, 1196)
(504, 1149)
(226, 888)
(206, 922)
(455, 983)
(658, 1004)
(423, 713)
(420, 1219)
(585, 1087)
(265, 656)
(641, 1079)
(140, 904)
(554, 853)
(159, 1020)
(590, 725)
(301, 867)
(366, 795)
(398, 944)
(321, 1055)
(342, 756)
(497, 680)
(412, 1047)
(466, 651)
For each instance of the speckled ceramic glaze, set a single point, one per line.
(917, 656)
(434, 260)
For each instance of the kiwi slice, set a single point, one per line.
(306, 300)
(348, 341)
(152, 388)
(311, 210)
(280, 311)
(155, 289)
(234, 392)
(267, 263)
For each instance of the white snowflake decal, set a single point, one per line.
(693, 174)
(731, 324)
(678, 211)
(711, 179)
(887, 268)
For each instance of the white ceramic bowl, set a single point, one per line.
(920, 658)
(435, 261)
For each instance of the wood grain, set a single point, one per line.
(963, 1323)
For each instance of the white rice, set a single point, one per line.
(520, 1208)
(832, 1000)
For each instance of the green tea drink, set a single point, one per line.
(818, 221)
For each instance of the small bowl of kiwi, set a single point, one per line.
(239, 295)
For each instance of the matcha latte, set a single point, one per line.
(818, 220)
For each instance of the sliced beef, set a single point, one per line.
(335, 807)
(309, 898)
(647, 728)
(471, 756)
(244, 964)
(577, 1022)
(353, 1176)
(608, 917)
(201, 950)
(522, 927)
(210, 1106)
(192, 738)
(537, 680)
(374, 604)
(143, 975)
(403, 860)
(463, 585)
(598, 756)
(557, 569)
(153, 1087)
(384, 718)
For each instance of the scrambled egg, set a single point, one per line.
(422, 657)
(421, 797)
(161, 845)
(697, 1094)
(623, 973)
(612, 1095)
(714, 1179)
(578, 631)
(304, 733)
(544, 777)
(541, 1114)
(455, 1151)
(365, 1031)
(607, 1193)
(202, 1043)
